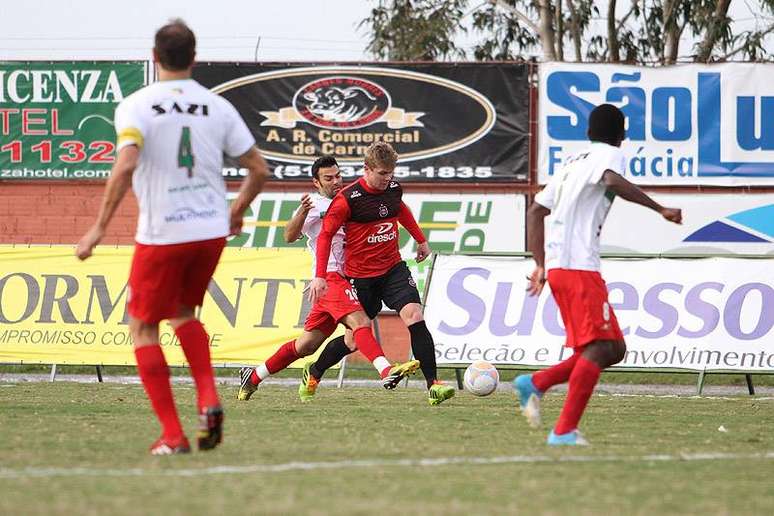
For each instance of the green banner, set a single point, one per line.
(56, 119)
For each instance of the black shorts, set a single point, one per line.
(396, 288)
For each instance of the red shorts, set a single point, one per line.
(163, 277)
(582, 300)
(339, 301)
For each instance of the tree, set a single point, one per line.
(650, 31)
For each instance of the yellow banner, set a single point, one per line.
(55, 309)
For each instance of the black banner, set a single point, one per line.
(449, 122)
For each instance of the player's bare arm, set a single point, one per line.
(292, 231)
(535, 244)
(115, 189)
(626, 190)
(257, 173)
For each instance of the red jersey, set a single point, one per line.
(370, 219)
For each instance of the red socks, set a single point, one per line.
(367, 345)
(154, 373)
(282, 358)
(554, 375)
(583, 378)
(196, 346)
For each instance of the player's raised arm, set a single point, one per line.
(295, 225)
(407, 220)
(620, 186)
(115, 189)
(257, 173)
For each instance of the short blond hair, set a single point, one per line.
(381, 153)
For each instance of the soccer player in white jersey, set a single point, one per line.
(577, 199)
(171, 139)
(338, 305)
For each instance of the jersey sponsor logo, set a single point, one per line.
(186, 214)
(385, 232)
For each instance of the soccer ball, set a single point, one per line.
(481, 378)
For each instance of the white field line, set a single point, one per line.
(11, 473)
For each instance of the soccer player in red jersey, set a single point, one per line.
(578, 199)
(369, 210)
(339, 304)
(171, 139)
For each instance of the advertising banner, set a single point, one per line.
(463, 122)
(712, 224)
(57, 118)
(685, 125)
(705, 314)
(451, 223)
(55, 309)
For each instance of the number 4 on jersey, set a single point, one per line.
(185, 157)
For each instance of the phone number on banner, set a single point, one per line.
(401, 172)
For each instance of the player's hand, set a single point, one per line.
(88, 242)
(306, 202)
(317, 289)
(423, 251)
(235, 223)
(537, 281)
(672, 215)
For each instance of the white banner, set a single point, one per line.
(707, 314)
(686, 125)
(712, 223)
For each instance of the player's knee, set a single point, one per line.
(357, 320)
(411, 313)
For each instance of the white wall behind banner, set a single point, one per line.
(686, 125)
(707, 314)
(712, 223)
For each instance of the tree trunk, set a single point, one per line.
(559, 17)
(712, 32)
(614, 55)
(546, 30)
(671, 33)
(575, 30)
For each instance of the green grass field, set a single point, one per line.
(81, 449)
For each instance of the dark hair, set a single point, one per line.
(324, 161)
(175, 45)
(606, 124)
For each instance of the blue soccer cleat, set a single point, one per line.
(573, 438)
(529, 399)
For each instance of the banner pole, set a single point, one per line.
(99, 373)
(750, 386)
(52, 376)
(342, 368)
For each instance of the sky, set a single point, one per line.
(227, 30)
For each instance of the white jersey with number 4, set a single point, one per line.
(182, 130)
(579, 202)
(311, 229)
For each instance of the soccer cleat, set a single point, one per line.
(573, 438)
(529, 399)
(210, 432)
(247, 387)
(439, 393)
(308, 385)
(398, 372)
(162, 447)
